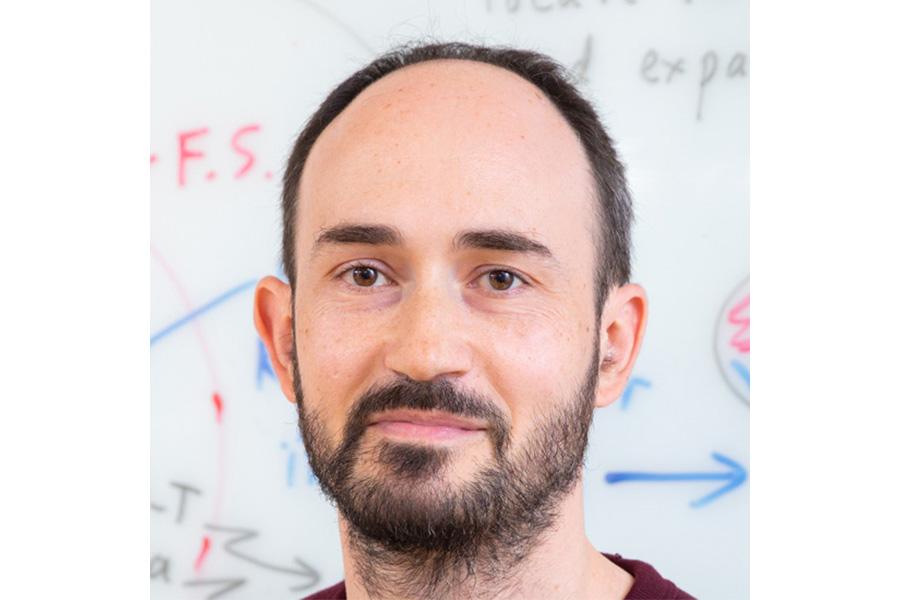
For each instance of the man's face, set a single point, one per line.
(435, 365)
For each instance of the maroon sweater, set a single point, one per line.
(648, 584)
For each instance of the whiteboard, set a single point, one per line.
(234, 510)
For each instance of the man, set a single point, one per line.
(456, 239)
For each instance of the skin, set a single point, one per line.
(433, 149)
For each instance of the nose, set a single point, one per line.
(430, 334)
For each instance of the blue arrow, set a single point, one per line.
(179, 323)
(735, 476)
(629, 389)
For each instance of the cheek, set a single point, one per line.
(533, 362)
(332, 350)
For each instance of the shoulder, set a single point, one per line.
(335, 592)
(648, 583)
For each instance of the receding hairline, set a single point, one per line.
(365, 95)
(612, 214)
(455, 64)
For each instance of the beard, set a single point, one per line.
(416, 531)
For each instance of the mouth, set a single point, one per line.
(425, 425)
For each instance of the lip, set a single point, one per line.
(428, 419)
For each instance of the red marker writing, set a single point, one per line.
(247, 154)
(217, 402)
(741, 338)
(185, 153)
(204, 549)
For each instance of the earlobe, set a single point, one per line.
(273, 321)
(624, 321)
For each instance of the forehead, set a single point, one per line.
(442, 146)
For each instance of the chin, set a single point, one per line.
(411, 498)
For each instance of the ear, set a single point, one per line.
(272, 317)
(622, 330)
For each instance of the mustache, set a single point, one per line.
(434, 395)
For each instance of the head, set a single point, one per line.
(456, 240)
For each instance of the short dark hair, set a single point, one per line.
(612, 209)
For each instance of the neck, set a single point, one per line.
(560, 563)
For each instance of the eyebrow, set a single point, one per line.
(372, 234)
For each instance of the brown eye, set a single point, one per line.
(364, 276)
(503, 280)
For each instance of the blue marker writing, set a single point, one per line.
(735, 476)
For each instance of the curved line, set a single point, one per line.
(737, 392)
(186, 301)
(358, 38)
(208, 359)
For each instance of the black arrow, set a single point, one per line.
(299, 567)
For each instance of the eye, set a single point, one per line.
(502, 280)
(361, 275)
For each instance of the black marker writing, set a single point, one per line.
(545, 6)
(159, 568)
(647, 64)
(229, 585)
(580, 68)
(737, 66)
(182, 499)
(240, 536)
(710, 64)
(674, 67)
(656, 69)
